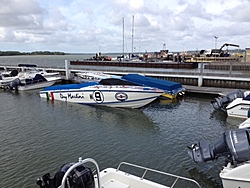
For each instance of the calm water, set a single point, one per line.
(38, 136)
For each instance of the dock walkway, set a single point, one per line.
(208, 90)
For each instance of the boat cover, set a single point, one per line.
(165, 85)
(26, 65)
(38, 78)
(116, 81)
(70, 86)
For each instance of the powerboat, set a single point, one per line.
(93, 93)
(236, 104)
(29, 84)
(81, 175)
(28, 80)
(171, 89)
(234, 145)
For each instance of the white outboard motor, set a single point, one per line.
(234, 145)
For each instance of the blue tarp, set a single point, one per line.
(70, 86)
(165, 85)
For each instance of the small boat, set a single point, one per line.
(236, 104)
(234, 146)
(29, 84)
(80, 175)
(93, 93)
(7, 78)
(171, 89)
(94, 76)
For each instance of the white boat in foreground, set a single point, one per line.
(92, 93)
(236, 104)
(234, 145)
(79, 175)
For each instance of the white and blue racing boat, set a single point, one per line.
(93, 93)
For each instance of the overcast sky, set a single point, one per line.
(91, 26)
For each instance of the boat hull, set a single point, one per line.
(233, 177)
(112, 96)
(36, 85)
(238, 108)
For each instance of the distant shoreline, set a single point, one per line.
(15, 53)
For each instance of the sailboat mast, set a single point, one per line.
(123, 37)
(132, 34)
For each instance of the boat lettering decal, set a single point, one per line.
(98, 96)
(235, 137)
(63, 97)
(244, 108)
(72, 96)
(76, 96)
(121, 96)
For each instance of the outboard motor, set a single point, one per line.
(79, 177)
(222, 102)
(234, 145)
(14, 84)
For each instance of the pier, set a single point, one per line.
(199, 81)
(174, 65)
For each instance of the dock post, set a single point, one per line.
(200, 80)
(67, 71)
(230, 69)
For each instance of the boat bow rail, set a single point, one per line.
(145, 169)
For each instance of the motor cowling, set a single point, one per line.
(234, 145)
(80, 177)
(222, 102)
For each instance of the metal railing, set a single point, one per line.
(159, 172)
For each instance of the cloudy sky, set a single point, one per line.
(84, 26)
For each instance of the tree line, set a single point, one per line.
(12, 53)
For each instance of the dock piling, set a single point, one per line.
(67, 71)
